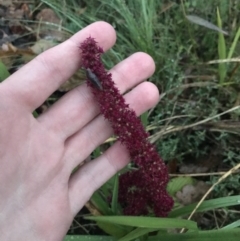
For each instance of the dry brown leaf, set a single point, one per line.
(48, 31)
(48, 15)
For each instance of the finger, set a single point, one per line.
(78, 107)
(94, 173)
(33, 83)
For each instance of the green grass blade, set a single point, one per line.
(88, 238)
(233, 46)
(144, 119)
(97, 152)
(136, 233)
(114, 230)
(3, 71)
(222, 69)
(204, 23)
(232, 225)
(115, 195)
(213, 235)
(146, 222)
(207, 205)
(100, 204)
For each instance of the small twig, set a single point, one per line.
(171, 129)
(223, 61)
(81, 226)
(201, 174)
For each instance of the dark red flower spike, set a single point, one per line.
(143, 190)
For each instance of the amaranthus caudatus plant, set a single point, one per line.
(143, 190)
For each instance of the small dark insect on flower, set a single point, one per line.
(94, 79)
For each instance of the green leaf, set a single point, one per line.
(213, 235)
(204, 23)
(144, 119)
(222, 69)
(114, 230)
(176, 184)
(97, 152)
(207, 205)
(3, 72)
(234, 44)
(136, 233)
(146, 222)
(115, 195)
(35, 114)
(232, 225)
(98, 201)
(88, 238)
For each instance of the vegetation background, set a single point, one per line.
(195, 126)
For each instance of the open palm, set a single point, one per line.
(39, 196)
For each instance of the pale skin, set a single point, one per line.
(39, 197)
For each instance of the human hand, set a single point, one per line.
(39, 196)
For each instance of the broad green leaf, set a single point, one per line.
(213, 235)
(114, 230)
(146, 222)
(88, 238)
(176, 184)
(207, 205)
(136, 233)
(3, 71)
